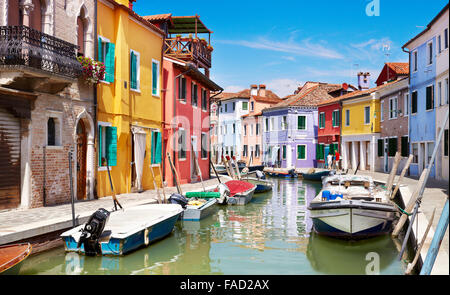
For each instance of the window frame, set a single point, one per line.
(347, 117)
(138, 71)
(182, 131)
(182, 91)
(405, 113)
(337, 118)
(432, 97)
(393, 113)
(430, 57)
(322, 120)
(306, 122)
(306, 153)
(366, 116)
(416, 96)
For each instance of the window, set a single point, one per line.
(134, 70)
(347, 117)
(445, 38)
(245, 151)
(439, 43)
(382, 111)
(267, 124)
(415, 152)
(284, 152)
(392, 146)
(430, 146)
(414, 102)
(301, 152)
(322, 120)
(301, 122)
(336, 120)
(182, 89)
(429, 98)
(234, 128)
(257, 129)
(430, 53)
(252, 105)
(106, 51)
(406, 104)
(204, 99)
(244, 105)
(245, 130)
(181, 144)
(155, 77)
(440, 97)
(393, 108)
(405, 146)
(284, 123)
(107, 145)
(204, 147)
(272, 124)
(414, 61)
(156, 147)
(367, 115)
(257, 151)
(380, 148)
(446, 142)
(234, 106)
(51, 132)
(194, 94)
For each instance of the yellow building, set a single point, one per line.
(129, 99)
(360, 129)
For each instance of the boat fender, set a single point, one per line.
(146, 238)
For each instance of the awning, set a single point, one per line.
(187, 24)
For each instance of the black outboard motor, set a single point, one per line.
(92, 231)
(178, 199)
(291, 172)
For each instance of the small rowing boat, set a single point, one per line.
(288, 174)
(120, 232)
(316, 176)
(12, 257)
(262, 185)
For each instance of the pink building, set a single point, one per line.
(252, 123)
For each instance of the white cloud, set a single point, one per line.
(283, 86)
(304, 48)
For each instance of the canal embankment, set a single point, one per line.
(42, 226)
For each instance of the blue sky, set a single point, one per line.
(285, 43)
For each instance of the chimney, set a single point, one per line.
(253, 89)
(363, 80)
(130, 4)
(262, 90)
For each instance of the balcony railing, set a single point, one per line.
(21, 46)
(189, 49)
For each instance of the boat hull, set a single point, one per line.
(315, 176)
(12, 257)
(196, 214)
(262, 186)
(121, 243)
(242, 198)
(352, 221)
(283, 175)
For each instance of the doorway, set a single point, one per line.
(194, 173)
(81, 160)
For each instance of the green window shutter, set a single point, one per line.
(100, 50)
(133, 71)
(284, 152)
(245, 106)
(301, 152)
(100, 147)
(156, 152)
(111, 145)
(301, 122)
(154, 79)
(109, 62)
(338, 118)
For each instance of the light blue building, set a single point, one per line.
(423, 53)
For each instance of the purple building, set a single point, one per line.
(290, 127)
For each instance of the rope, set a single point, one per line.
(403, 211)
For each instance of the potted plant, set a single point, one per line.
(93, 71)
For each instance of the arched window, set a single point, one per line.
(80, 35)
(51, 132)
(36, 15)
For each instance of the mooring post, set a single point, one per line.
(436, 242)
(71, 188)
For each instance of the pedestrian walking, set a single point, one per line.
(338, 160)
(330, 160)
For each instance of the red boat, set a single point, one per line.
(12, 256)
(241, 192)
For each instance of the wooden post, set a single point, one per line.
(391, 177)
(225, 163)
(215, 172)
(162, 183)
(197, 166)
(413, 263)
(116, 202)
(175, 174)
(397, 186)
(156, 186)
(230, 164)
(436, 242)
(237, 168)
(410, 205)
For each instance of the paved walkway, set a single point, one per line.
(20, 224)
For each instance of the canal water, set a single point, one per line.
(270, 235)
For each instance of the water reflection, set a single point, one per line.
(270, 235)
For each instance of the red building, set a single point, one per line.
(393, 71)
(329, 131)
(186, 97)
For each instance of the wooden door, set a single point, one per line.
(81, 161)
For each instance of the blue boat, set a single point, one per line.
(262, 185)
(317, 176)
(123, 231)
(289, 174)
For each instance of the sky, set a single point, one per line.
(283, 44)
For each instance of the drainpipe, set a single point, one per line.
(161, 71)
(95, 94)
(409, 96)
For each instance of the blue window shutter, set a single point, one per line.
(153, 145)
(133, 76)
(158, 148)
(111, 145)
(109, 62)
(100, 147)
(100, 50)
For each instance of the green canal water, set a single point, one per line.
(270, 235)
